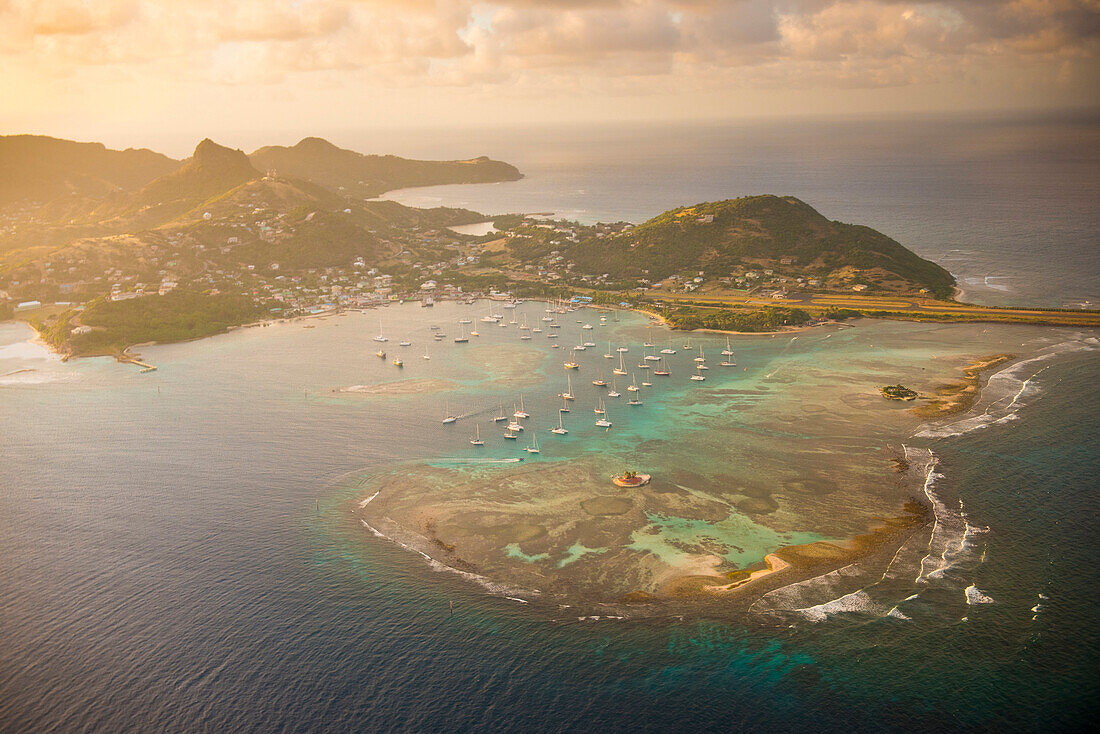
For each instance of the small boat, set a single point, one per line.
(525, 337)
(405, 343)
(568, 394)
(587, 326)
(572, 363)
(647, 345)
(633, 401)
(476, 440)
(465, 321)
(703, 367)
(580, 347)
(447, 416)
(589, 344)
(622, 349)
(643, 365)
(397, 362)
(534, 447)
(646, 383)
(521, 413)
(536, 330)
(474, 332)
(621, 369)
(501, 417)
(551, 336)
(560, 430)
(434, 327)
(514, 426)
(381, 353)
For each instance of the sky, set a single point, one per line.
(119, 70)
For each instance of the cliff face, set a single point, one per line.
(339, 169)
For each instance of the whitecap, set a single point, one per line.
(974, 596)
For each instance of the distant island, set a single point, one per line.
(101, 249)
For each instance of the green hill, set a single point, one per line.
(760, 232)
(42, 169)
(339, 169)
(210, 172)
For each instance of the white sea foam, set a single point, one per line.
(1007, 390)
(374, 532)
(857, 601)
(367, 501)
(974, 596)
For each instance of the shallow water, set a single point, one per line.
(179, 551)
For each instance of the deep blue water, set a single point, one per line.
(163, 567)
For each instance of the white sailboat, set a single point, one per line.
(603, 421)
(572, 363)
(727, 352)
(700, 359)
(698, 376)
(613, 393)
(568, 394)
(664, 371)
(501, 417)
(668, 349)
(608, 355)
(514, 424)
(461, 338)
(448, 417)
(426, 355)
(635, 399)
(523, 326)
(534, 447)
(521, 413)
(476, 440)
(729, 361)
(633, 386)
(380, 337)
(560, 430)
(621, 370)
(564, 405)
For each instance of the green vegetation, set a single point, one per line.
(339, 169)
(753, 233)
(899, 392)
(176, 316)
(729, 319)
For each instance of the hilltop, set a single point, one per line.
(339, 169)
(740, 238)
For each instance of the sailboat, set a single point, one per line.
(404, 343)
(664, 371)
(461, 338)
(729, 361)
(587, 326)
(426, 355)
(490, 319)
(633, 386)
(635, 399)
(380, 338)
(613, 393)
(668, 349)
(476, 440)
(501, 417)
(564, 405)
(647, 344)
(513, 316)
(447, 416)
(687, 344)
(700, 359)
(572, 363)
(514, 424)
(521, 413)
(599, 409)
(568, 394)
(560, 430)
(523, 326)
(536, 330)
(599, 381)
(698, 376)
(580, 347)
(465, 321)
(603, 422)
(608, 355)
(646, 383)
(622, 349)
(511, 435)
(621, 370)
(534, 447)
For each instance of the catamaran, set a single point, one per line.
(511, 435)
(668, 349)
(698, 376)
(560, 430)
(501, 417)
(633, 386)
(476, 440)
(534, 447)
(635, 399)
(729, 361)
(603, 422)
(621, 370)
(700, 359)
(572, 363)
(461, 338)
(447, 416)
(404, 343)
(380, 338)
(514, 424)
(521, 413)
(613, 393)
(587, 326)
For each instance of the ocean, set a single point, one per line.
(181, 550)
